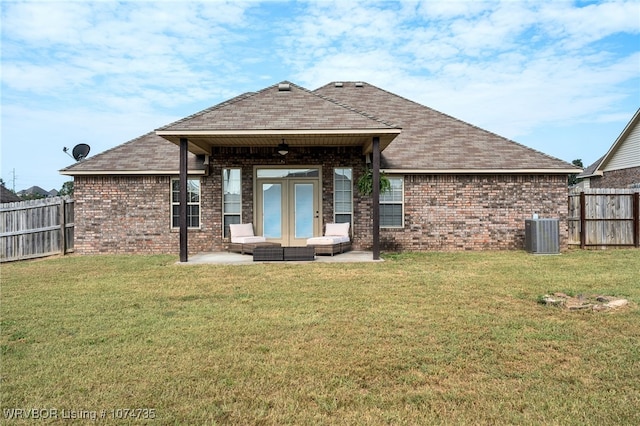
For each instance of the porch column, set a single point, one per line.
(184, 249)
(376, 198)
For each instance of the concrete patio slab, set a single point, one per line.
(228, 258)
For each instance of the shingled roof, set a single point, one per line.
(433, 141)
(148, 154)
(284, 106)
(429, 141)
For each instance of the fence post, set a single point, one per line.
(63, 227)
(583, 221)
(636, 219)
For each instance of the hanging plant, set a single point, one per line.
(365, 183)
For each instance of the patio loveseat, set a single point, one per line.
(243, 239)
(335, 240)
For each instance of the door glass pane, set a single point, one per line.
(272, 210)
(287, 173)
(304, 210)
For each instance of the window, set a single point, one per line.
(193, 203)
(342, 195)
(392, 205)
(231, 198)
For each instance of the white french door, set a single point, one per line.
(287, 209)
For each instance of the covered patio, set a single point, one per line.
(281, 119)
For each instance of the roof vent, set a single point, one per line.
(338, 84)
(284, 87)
(359, 84)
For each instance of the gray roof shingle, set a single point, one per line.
(147, 154)
(431, 140)
(272, 109)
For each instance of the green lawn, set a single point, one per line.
(435, 338)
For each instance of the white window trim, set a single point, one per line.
(222, 195)
(199, 203)
(335, 213)
(401, 202)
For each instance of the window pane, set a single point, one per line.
(193, 216)
(232, 208)
(231, 198)
(193, 203)
(231, 181)
(395, 193)
(390, 215)
(232, 203)
(175, 191)
(175, 216)
(228, 220)
(343, 192)
(193, 190)
(342, 218)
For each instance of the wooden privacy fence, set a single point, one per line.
(37, 228)
(600, 217)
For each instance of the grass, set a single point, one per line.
(436, 338)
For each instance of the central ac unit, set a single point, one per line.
(542, 236)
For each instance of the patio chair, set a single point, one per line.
(336, 239)
(243, 240)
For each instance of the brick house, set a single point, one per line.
(287, 159)
(620, 166)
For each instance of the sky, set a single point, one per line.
(561, 77)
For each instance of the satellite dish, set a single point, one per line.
(80, 151)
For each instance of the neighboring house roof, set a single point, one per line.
(433, 141)
(425, 140)
(148, 154)
(591, 170)
(7, 196)
(35, 190)
(623, 154)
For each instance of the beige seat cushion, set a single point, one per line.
(242, 233)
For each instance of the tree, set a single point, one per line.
(573, 179)
(32, 196)
(67, 189)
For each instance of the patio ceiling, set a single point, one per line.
(202, 141)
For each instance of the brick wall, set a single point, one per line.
(131, 214)
(475, 212)
(617, 178)
(247, 158)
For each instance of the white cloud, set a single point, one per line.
(131, 50)
(104, 72)
(510, 66)
(579, 26)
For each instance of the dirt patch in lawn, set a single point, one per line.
(597, 303)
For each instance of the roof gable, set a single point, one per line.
(624, 153)
(433, 141)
